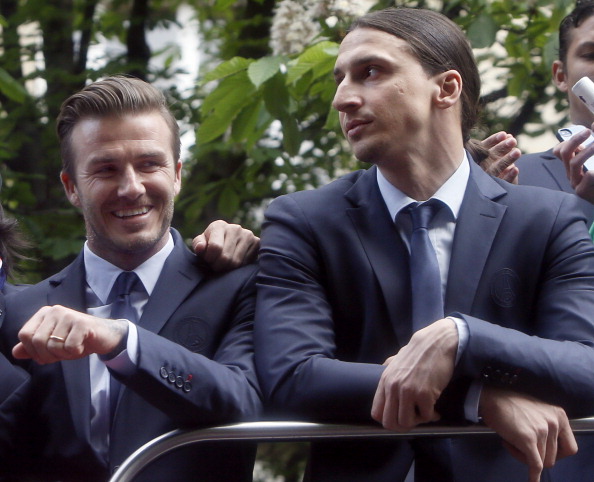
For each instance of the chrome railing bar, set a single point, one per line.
(292, 432)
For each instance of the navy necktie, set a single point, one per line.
(427, 299)
(126, 283)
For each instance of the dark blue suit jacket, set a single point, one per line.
(546, 170)
(333, 304)
(197, 325)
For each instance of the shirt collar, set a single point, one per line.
(101, 274)
(450, 193)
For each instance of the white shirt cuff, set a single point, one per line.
(125, 363)
(471, 404)
(462, 336)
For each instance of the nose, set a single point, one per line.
(346, 97)
(131, 184)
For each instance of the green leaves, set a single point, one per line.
(225, 69)
(263, 69)
(482, 31)
(223, 105)
(253, 93)
(12, 88)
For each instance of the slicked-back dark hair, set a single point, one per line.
(113, 96)
(439, 45)
(573, 20)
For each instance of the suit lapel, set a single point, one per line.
(177, 280)
(478, 221)
(69, 290)
(384, 249)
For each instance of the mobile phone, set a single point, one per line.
(566, 132)
(584, 90)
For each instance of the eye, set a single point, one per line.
(104, 170)
(371, 71)
(149, 166)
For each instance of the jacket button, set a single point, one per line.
(179, 382)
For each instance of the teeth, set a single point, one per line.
(131, 212)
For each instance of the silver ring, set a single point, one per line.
(57, 338)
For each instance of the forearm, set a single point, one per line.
(192, 388)
(553, 371)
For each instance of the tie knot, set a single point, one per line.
(422, 213)
(126, 283)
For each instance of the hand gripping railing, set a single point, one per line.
(292, 432)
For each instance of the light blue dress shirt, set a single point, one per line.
(101, 276)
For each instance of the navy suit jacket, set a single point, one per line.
(334, 303)
(196, 325)
(546, 170)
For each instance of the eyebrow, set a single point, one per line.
(588, 45)
(109, 158)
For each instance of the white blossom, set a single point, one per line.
(297, 22)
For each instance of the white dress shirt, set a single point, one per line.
(101, 276)
(441, 234)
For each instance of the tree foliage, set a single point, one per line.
(263, 118)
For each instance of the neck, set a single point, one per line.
(420, 174)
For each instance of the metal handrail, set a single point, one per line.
(293, 432)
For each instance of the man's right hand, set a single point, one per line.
(574, 156)
(415, 377)
(57, 333)
(534, 432)
(503, 152)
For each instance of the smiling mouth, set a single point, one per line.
(128, 213)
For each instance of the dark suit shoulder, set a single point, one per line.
(535, 203)
(527, 159)
(337, 187)
(32, 291)
(239, 275)
(327, 196)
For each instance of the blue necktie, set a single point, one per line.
(427, 299)
(126, 283)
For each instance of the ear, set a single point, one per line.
(177, 182)
(70, 189)
(449, 88)
(560, 76)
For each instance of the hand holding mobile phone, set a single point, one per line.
(565, 133)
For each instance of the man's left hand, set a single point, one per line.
(533, 431)
(415, 377)
(226, 246)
